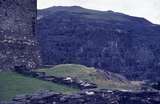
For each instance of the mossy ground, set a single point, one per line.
(12, 84)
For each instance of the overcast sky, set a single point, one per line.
(149, 9)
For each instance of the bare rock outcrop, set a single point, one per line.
(89, 97)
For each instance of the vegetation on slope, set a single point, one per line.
(12, 84)
(107, 81)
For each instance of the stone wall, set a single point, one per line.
(18, 45)
(89, 97)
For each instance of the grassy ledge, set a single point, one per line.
(12, 84)
(91, 75)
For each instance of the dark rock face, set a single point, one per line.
(18, 45)
(89, 97)
(105, 40)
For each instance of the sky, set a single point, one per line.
(149, 9)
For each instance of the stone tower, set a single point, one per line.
(18, 45)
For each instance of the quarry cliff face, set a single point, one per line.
(18, 45)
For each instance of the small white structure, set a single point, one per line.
(89, 93)
(69, 79)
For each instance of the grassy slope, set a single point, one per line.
(89, 74)
(12, 84)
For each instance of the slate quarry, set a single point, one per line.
(18, 45)
(103, 39)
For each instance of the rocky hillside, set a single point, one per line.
(104, 39)
(18, 45)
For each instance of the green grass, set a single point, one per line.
(12, 84)
(91, 75)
